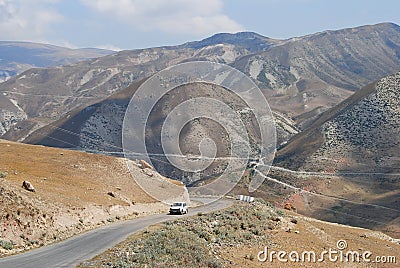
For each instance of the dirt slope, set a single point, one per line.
(75, 191)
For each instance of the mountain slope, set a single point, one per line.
(319, 69)
(16, 57)
(361, 134)
(349, 161)
(98, 128)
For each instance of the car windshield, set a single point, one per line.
(177, 204)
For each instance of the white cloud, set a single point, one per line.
(26, 19)
(198, 17)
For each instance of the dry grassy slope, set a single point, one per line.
(234, 237)
(71, 193)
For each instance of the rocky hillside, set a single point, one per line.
(348, 161)
(298, 75)
(362, 134)
(74, 192)
(16, 57)
(318, 69)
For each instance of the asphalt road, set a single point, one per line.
(77, 249)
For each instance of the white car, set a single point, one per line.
(178, 208)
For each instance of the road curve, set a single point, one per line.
(73, 251)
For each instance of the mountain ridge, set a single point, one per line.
(292, 85)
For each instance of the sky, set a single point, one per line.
(131, 24)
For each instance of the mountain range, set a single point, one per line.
(300, 76)
(334, 96)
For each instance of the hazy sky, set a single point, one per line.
(128, 24)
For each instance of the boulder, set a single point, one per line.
(148, 173)
(289, 206)
(28, 186)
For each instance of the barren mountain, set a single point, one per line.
(98, 128)
(319, 70)
(16, 57)
(302, 75)
(345, 166)
(48, 94)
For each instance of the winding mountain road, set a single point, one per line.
(73, 251)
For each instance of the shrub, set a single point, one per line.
(204, 234)
(8, 245)
(170, 246)
(3, 174)
(280, 213)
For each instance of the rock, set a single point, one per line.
(148, 173)
(111, 194)
(294, 221)
(144, 164)
(28, 186)
(289, 206)
(276, 219)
